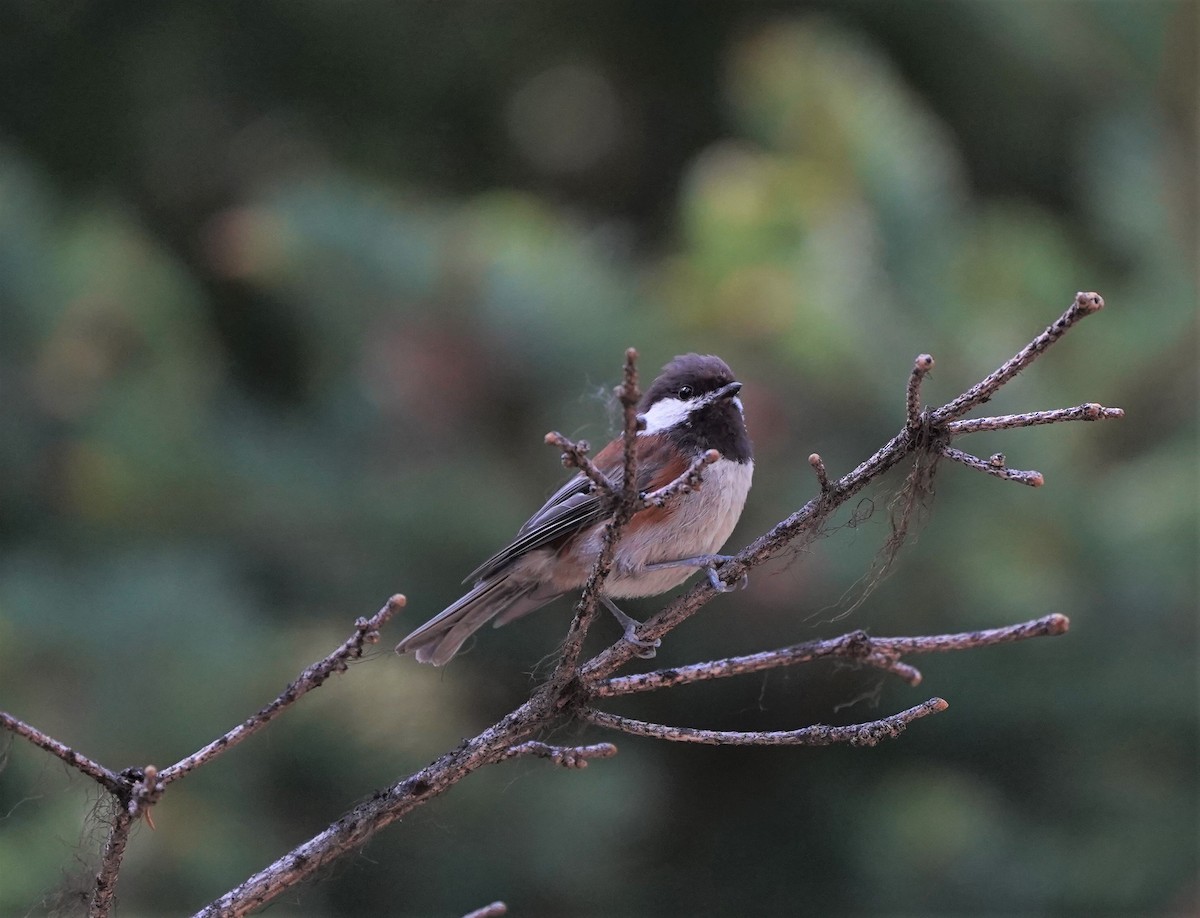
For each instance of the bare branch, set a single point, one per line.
(94, 770)
(1087, 412)
(566, 756)
(865, 734)
(567, 694)
(994, 465)
(105, 889)
(1085, 304)
(366, 631)
(384, 807)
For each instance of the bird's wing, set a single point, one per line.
(572, 507)
(576, 504)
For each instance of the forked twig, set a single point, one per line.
(1085, 305)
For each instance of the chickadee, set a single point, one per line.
(692, 407)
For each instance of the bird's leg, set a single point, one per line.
(709, 563)
(646, 649)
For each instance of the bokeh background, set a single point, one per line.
(290, 292)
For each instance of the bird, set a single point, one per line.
(692, 407)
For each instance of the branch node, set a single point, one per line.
(144, 793)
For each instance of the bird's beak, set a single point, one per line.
(728, 391)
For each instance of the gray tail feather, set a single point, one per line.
(439, 639)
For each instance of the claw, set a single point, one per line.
(721, 586)
(645, 649)
(715, 581)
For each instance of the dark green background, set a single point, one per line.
(290, 292)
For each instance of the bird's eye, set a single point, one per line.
(686, 392)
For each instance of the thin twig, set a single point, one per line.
(865, 734)
(491, 910)
(1087, 412)
(366, 631)
(575, 456)
(1047, 626)
(857, 646)
(1085, 304)
(818, 466)
(881, 652)
(921, 367)
(566, 756)
(626, 504)
(994, 466)
(690, 480)
(94, 770)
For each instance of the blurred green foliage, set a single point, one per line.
(290, 292)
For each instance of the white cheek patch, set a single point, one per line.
(664, 414)
(737, 401)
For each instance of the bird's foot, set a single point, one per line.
(710, 565)
(645, 649)
(715, 581)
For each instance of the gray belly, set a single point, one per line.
(704, 519)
